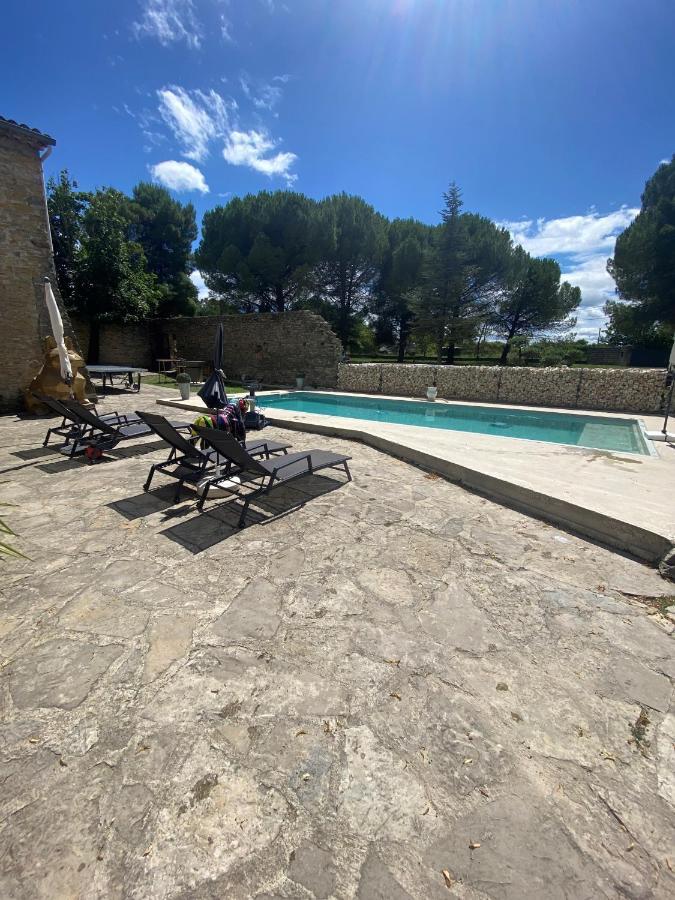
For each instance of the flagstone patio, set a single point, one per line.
(397, 690)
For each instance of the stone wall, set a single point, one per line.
(273, 348)
(121, 345)
(620, 390)
(25, 259)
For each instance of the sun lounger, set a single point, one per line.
(71, 429)
(100, 435)
(263, 475)
(187, 463)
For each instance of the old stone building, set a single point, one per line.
(25, 259)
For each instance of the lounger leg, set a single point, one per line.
(202, 499)
(176, 496)
(242, 517)
(146, 486)
(349, 474)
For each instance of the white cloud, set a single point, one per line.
(263, 95)
(197, 118)
(194, 117)
(198, 281)
(170, 21)
(226, 30)
(250, 148)
(179, 176)
(581, 244)
(572, 234)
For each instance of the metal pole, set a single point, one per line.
(671, 379)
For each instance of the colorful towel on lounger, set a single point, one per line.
(230, 419)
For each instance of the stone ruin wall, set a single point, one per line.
(272, 347)
(619, 390)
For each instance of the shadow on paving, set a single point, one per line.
(220, 521)
(147, 504)
(115, 455)
(36, 452)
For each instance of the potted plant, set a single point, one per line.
(300, 380)
(183, 382)
(432, 391)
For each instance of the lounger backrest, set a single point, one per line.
(82, 414)
(168, 433)
(231, 449)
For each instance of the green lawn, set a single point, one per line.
(170, 384)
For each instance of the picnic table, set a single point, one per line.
(129, 376)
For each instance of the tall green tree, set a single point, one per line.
(400, 275)
(112, 283)
(463, 274)
(166, 230)
(627, 325)
(66, 206)
(643, 265)
(259, 251)
(350, 246)
(533, 300)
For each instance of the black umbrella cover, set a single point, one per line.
(212, 391)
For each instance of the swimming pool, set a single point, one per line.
(593, 432)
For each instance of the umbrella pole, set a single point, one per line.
(671, 378)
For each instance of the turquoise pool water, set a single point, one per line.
(595, 432)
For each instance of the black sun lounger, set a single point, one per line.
(187, 463)
(101, 435)
(263, 475)
(70, 428)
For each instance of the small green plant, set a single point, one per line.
(182, 378)
(7, 549)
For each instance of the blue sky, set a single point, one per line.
(550, 114)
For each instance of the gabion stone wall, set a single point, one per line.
(362, 378)
(621, 390)
(468, 383)
(406, 380)
(632, 390)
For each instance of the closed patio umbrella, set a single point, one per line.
(57, 331)
(671, 384)
(212, 391)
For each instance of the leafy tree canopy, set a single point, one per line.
(112, 283)
(166, 230)
(257, 251)
(644, 257)
(66, 206)
(533, 300)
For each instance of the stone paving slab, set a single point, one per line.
(377, 683)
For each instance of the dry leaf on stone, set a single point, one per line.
(395, 695)
(447, 878)
(474, 845)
